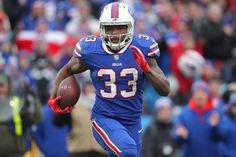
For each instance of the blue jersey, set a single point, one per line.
(117, 78)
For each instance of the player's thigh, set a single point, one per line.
(114, 138)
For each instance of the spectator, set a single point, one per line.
(229, 71)
(5, 29)
(190, 67)
(215, 91)
(50, 138)
(231, 87)
(23, 68)
(29, 22)
(17, 115)
(218, 38)
(15, 10)
(42, 69)
(67, 51)
(6, 50)
(157, 140)
(196, 14)
(228, 130)
(82, 17)
(196, 123)
(62, 16)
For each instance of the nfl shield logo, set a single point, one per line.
(116, 57)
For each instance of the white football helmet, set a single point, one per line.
(116, 14)
(191, 64)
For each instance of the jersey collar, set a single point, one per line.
(120, 52)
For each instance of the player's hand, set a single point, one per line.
(53, 104)
(139, 58)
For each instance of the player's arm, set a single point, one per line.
(152, 71)
(157, 78)
(74, 66)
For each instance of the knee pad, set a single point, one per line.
(129, 153)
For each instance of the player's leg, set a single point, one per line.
(135, 132)
(114, 138)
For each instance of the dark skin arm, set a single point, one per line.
(74, 66)
(157, 78)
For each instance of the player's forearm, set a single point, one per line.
(74, 66)
(61, 75)
(159, 81)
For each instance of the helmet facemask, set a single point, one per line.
(123, 39)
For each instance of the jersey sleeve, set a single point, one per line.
(148, 46)
(77, 50)
(85, 46)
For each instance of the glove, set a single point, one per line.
(139, 58)
(53, 104)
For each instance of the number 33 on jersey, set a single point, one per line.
(117, 78)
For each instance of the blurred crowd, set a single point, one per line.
(197, 40)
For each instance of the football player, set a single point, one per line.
(119, 62)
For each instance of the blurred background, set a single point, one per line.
(197, 40)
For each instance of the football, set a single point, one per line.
(69, 90)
